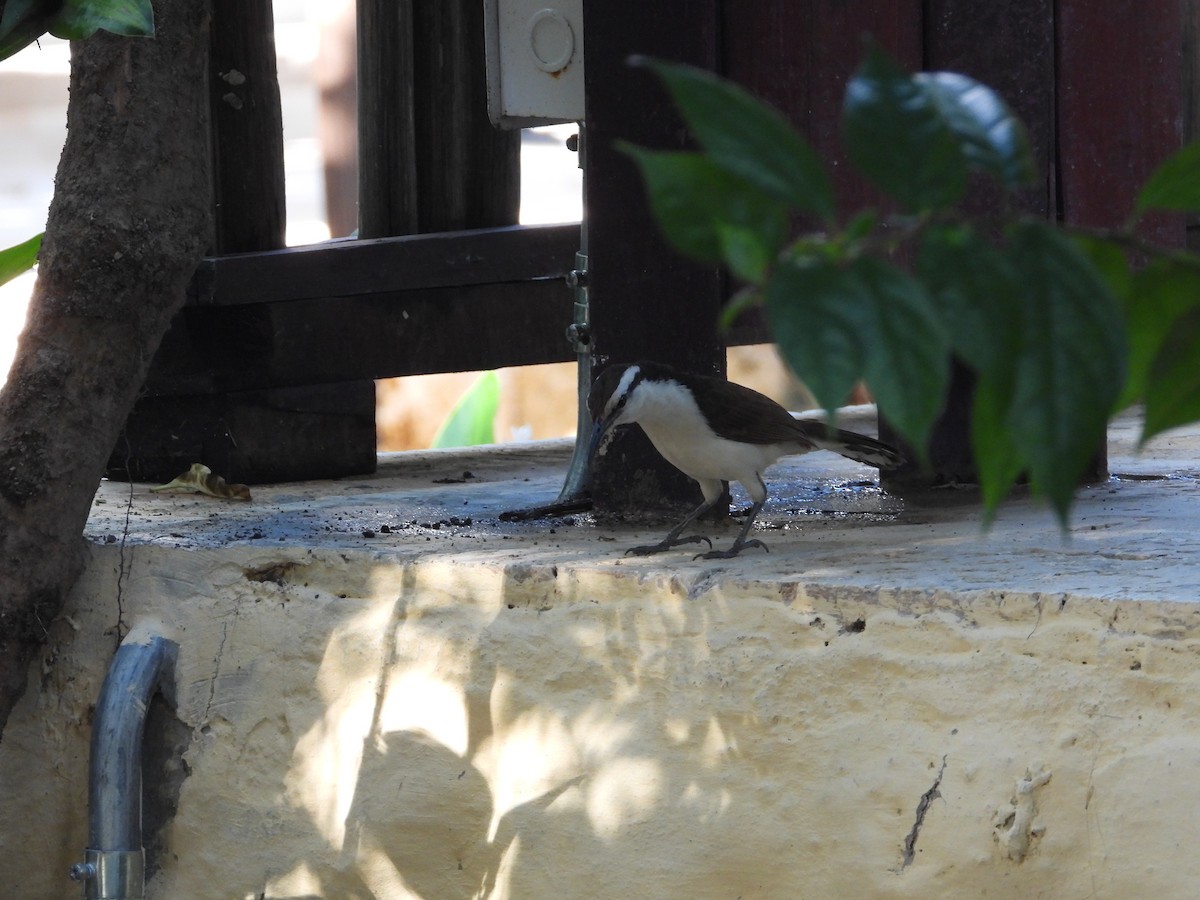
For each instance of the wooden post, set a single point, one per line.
(646, 301)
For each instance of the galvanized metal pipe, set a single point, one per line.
(114, 863)
(579, 333)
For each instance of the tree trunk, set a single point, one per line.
(129, 222)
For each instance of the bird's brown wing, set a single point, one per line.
(748, 416)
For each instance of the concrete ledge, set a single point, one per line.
(890, 703)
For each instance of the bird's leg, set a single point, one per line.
(673, 538)
(740, 543)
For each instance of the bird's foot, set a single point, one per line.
(738, 547)
(651, 549)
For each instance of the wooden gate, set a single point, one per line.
(267, 373)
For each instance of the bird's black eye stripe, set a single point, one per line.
(624, 398)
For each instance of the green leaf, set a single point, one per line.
(859, 226)
(1072, 360)
(991, 138)
(1173, 384)
(710, 214)
(897, 134)
(810, 305)
(974, 291)
(998, 459)
(1109, 259)
(748, 138)
(907, 350)
(20, 258)
(1175, 185)
(835, 325)
(22, 22)
(82, 18)
(470, 422)
(740, 303)
(1156, 297)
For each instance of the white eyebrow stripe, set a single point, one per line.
(623, 386)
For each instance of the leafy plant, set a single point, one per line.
(470, 421)
(19, 258)
(23, 21)
(1058, 324)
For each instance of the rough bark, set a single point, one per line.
(129, 221)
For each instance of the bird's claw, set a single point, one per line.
(732, 551)
(651, 549)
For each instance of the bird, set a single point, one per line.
(714, 431)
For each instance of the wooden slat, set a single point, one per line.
(382, 265)
(248, 186)
(387, 163)
(253, 437)
(429, 158)
(468, 170)
(331, 339)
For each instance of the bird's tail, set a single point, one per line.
(859, 448)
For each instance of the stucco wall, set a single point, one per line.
(380, 724)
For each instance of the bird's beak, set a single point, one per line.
(599, 430)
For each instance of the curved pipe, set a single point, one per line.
(114, 863)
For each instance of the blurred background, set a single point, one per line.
(314, 41)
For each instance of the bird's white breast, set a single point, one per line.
(673, 422)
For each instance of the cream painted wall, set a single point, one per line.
(479, 724)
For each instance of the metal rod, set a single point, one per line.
(579, 474)
(575, 495)
(114, 863)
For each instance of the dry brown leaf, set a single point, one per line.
(200, 478)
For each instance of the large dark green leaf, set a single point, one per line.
(897, 134)
(1072, 362)
(1173, 385)
(811, 306)
(23, 21)
(1175, 184)
(1157, 295)
(906, 347)
(837, 324)
(990, 137)
(82, 18)
(974, 290)
(748, 138)
(18, 259)
(998, 458)
(711, 215)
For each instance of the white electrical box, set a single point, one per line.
(534, 62)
